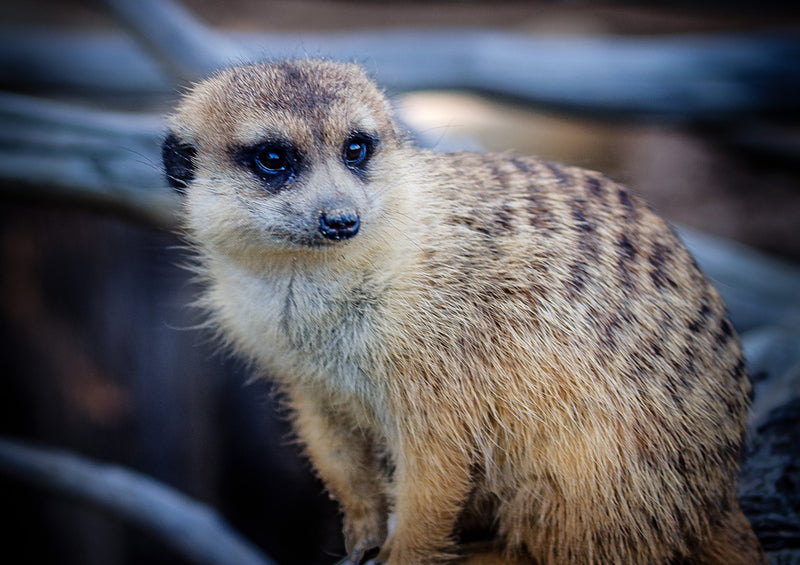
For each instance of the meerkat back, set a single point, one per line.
(516, 360)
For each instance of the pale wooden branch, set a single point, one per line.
(707, 79)
(86, 157)
(193, 529)
(105, 159)
(182, 43)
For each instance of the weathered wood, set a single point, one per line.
(182, 43)
(676, 79)
(85, 157)
(770, 482)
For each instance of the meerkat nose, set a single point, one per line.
(338, 224)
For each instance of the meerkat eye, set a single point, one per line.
(276, 163)
(272, 160)
(357, 150)
(355, 153)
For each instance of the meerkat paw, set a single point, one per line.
(364, 551)
(363, 539)
(393, 553)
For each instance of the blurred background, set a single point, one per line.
(101, 351)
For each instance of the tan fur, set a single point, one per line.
(506, 346)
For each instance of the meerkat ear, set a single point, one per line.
(178, 160)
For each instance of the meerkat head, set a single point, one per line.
(281, 157)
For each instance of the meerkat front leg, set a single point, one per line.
(346, 461)
(432, 482)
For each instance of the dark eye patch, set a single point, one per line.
(275, 163)
(178, 159)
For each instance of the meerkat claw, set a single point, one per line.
(365, 555)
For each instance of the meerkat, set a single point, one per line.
(490, 349)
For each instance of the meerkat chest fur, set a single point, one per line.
(304, 323)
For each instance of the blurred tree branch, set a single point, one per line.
(183, 45)
(95, 158)
(705, 79)
(193, 529)
(82, 156)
